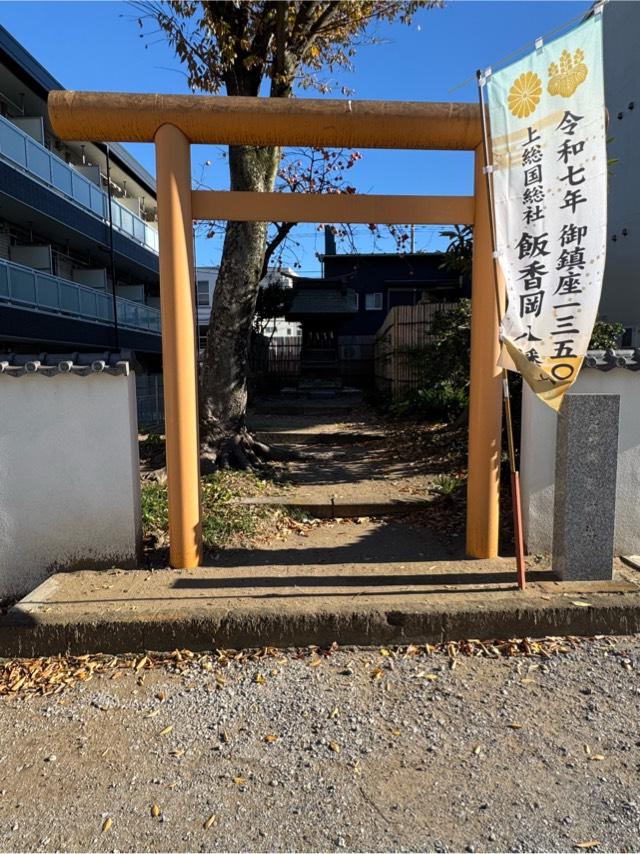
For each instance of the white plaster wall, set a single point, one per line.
(69, 478)
(538, 455)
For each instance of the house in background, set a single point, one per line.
(341, 312)
(206, 278)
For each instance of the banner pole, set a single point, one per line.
(506, 396)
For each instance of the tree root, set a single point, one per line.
(242, 451)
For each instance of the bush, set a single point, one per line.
(444, 401)
(605, 336)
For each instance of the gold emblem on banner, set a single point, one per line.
(524, 95)
(572, 72)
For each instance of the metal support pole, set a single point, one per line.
(116, 331)
(506, 396)
(485, 404)
(178, 313)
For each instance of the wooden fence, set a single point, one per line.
(274, 360)
(405, 329)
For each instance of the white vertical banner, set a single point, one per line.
(549, 174)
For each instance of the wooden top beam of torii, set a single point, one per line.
(124, 117)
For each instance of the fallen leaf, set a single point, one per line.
(209, 822)
(590, 843)
(106, 824)
(315, 662)
(597, 757)
(270, 738)
(377, 673)
(384, 651)
(161, 696)
(166, 730)
(527, 681)
(334, 746)
(514, 726)
(141, 663)
(155, 810)
(177, 751)
(239, 781)
(477, 749)
(260, 679)
(334, 712)
(582, 605)
(152, 713)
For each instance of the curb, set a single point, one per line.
(22, 634)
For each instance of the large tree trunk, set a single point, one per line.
(223, 388)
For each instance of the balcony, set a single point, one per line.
(29, 289)
(23, 152)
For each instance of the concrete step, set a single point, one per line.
(292, 606)
(339, 509)
(293, 437)
(336, 407)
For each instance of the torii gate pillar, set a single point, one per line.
(485, 404)
(179, 342)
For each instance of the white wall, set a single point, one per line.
(69, 478)
(538, 455)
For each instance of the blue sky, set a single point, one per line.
(97, 46)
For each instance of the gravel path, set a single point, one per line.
(361, 750)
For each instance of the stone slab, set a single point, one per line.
(585, 486)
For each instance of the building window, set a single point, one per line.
(203, 292)
(373, 302)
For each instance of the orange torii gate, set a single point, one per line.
(173, 123)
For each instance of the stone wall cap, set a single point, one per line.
(607, 360)
(78, 364)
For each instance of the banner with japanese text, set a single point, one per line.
(549, 174)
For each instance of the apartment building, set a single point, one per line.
(621, 288)
(75, 219)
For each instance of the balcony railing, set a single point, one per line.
(31, 289)
(24, 152)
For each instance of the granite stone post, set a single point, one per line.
(585, 487)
